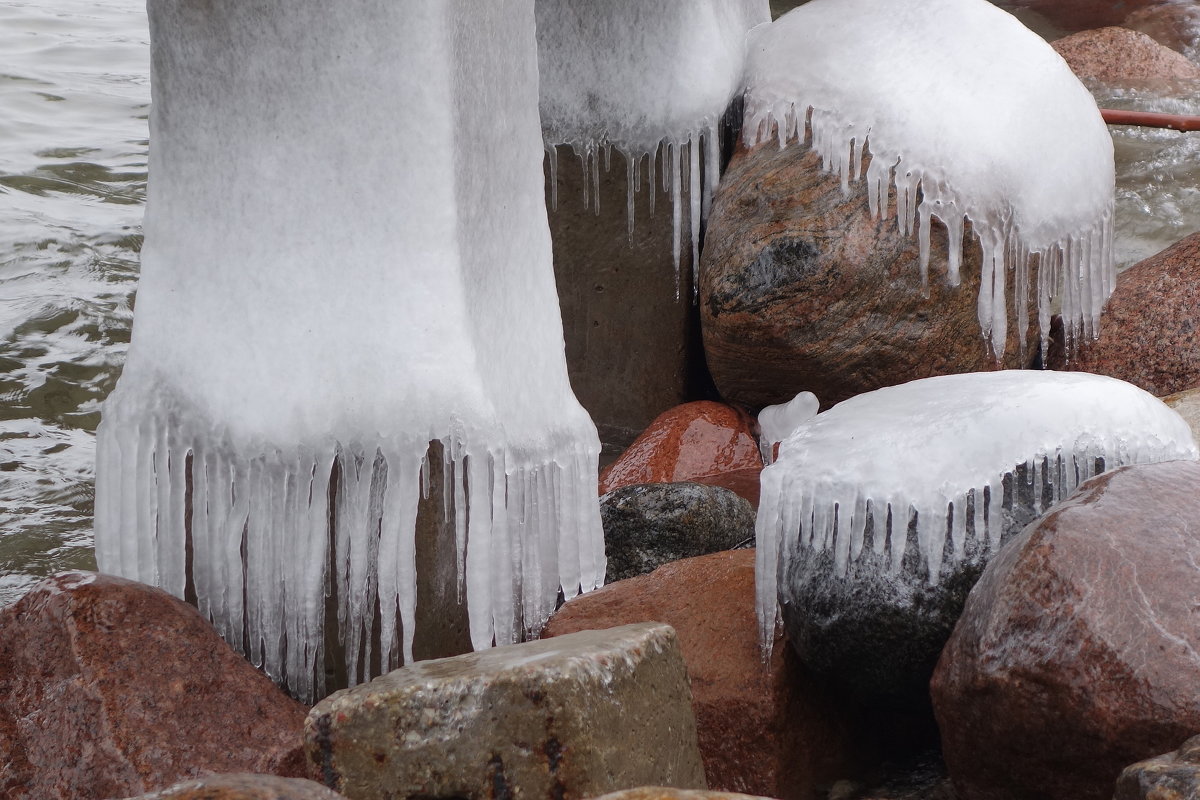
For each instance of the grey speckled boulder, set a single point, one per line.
(650, 524)
(565, 718)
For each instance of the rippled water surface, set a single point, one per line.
(74, 97)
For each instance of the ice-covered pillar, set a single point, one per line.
(347, 259)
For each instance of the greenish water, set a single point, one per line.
(74, 100)
(74, 97)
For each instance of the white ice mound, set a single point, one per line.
(347, 257)
(927, 446)
(637, 75)
(969, 115)
(777, 422)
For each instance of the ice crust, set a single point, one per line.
(968, 115)
(928, 446)
(643, 77)
(328, 276)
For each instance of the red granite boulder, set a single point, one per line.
(698, 442)
(763, 731)
(1078, 651)
(1122, 57)
(110, 688)
(1150, 330)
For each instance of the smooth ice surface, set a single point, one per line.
(925, 447)
(637, 76)
(968, 114)
(395, 291)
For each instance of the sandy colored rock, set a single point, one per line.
(1078, 652)
(769, 731)
(244, 787)
(1150, 329)
(684, 443)
(802, 290)
(667, 793)
(1122, 57)
(1187, 405)
(566, 718)
(110, 688)
(1174, 776)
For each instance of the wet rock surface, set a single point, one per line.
(110, 688)
(1076, 654)
(802, 290)
(1174, 776)
(1078, 15)
(687, 442)
(763, 730)
(1121, 57)
(648, 525)
(1150, 329)
(667, 793)
(1175, 25)
(243, 787)
(569, 718)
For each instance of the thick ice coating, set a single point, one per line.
(967, 114)
(344, 263)
(637, 76)
(928, 446)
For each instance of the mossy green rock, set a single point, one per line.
(563, 719)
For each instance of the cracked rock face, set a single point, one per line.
(561, 719)
(1078, 651)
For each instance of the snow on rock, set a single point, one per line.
(366, 271)
(970, 116)
(638, 76)
(777, 422)
(940, 446)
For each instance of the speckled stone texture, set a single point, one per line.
(1078, 15)
(1122, 57)
(1187, 405)
(1174, 776)
(566, 719)
(1150, 330)
(802, 290)
(687, 442)
(1077, 653)
(667, 793)
(110, 688)
(244, 786)
(765, 731)
(650, 524)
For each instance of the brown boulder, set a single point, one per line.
(667, 793)
(110, 688)
(1150, 331)
(685, 443)
(244, 786)
(762, 731)
(1175, 25)
(801, 289)
(1122, 57)
(1079, 15)
(1078, 651)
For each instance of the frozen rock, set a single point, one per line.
(110, 688)
(1077, 652)
(243, 787)
(801, 289)
(1151, 335)
(570, 717)
(1121, 57)
(689, 441)
(650, 524)
(766, 731)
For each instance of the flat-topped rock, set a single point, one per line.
(244, 786)
(565, 718)
(1174, 776)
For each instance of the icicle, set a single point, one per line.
(676, 210)
(694, 210)
(552, 157)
